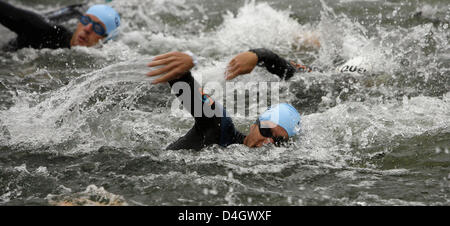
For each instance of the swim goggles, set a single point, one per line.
(267, 132)
(97, 27)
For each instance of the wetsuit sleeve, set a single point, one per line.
(197, 98)
(277, 65)
(32, 29)
(207, 130)
(21, 21)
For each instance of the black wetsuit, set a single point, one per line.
(206, 130)
(220, 130)
(33, 30)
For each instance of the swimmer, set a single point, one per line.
(283, 120)
(100, 22)
(276, 125)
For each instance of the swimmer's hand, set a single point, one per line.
(175, 65)
(242, 64)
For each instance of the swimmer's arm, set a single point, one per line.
(22, 22)
(194, 101)
(175, 69)
(245, 62)
(215, 129)
(184, 89)
(274, 63)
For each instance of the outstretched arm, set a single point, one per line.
(191, 95)
(212, 126)
(206, 130)
(274, 63)
(176, 66)
(22, 22)
(244, 63)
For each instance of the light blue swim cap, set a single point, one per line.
(108, 16)
(284, 115)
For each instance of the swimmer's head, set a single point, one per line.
(275, 125)
(100, 22)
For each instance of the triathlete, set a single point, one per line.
(276, 125)
(100, 22)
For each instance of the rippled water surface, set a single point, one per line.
(83, 126)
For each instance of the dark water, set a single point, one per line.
(82, 126)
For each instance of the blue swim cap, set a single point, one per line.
(108, 16)
(284, 115)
